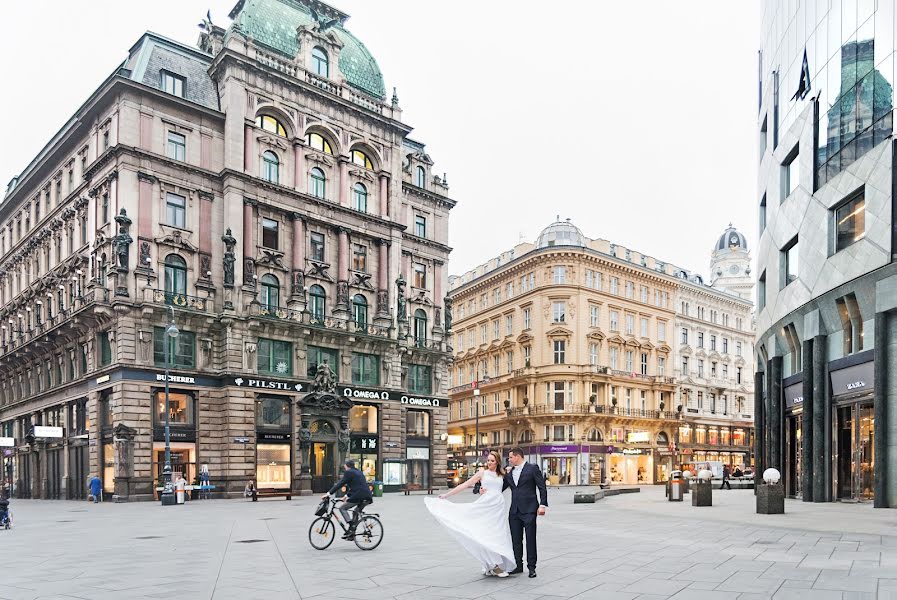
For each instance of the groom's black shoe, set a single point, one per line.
(517, 571)
(532, 573)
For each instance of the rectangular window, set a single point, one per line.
(275, 357)
(791, 173)
(527, 318)
(630, 325)
(560, 350)
(614, 357)
(527, 353)
(360, 258)
(850, 221)
(644, 294)
(420, 226)
(509, 324)
(510, 290)
(420, 379)
(365, 369)
(629, 361)
(105, 349)
(558, 311)
(614, 321)
(644, 327)
(317, 246)
(644, 365)
(763, 213)
(177, 146)
(661, 365)
(593, 354)
(173, 84)
(417, 424)
(630, 290)
(594, 315)
(560, 275)
(700, 367)
(725, 345)
(712, 343)
(483, 334)
(175, 210)
(496, 328)
(700, 340)
(684, 336)
(685, 370)
(761, 291)
(790, 262)
(725, 371)
(614, 285)
(737, 374)
(420, 276)
(737, 348)
(510, 361)
(661, 332)
(270, 233)
(181, 350)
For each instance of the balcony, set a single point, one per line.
(584, 409)
(634, 375)
(179, 300)
(14, 339)
(282, 313)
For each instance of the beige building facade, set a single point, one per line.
(261, 193)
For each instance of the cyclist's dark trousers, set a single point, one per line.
(348, 506)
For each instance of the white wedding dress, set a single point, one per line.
(481, 527)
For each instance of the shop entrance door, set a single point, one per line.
(54, 473)
(24, 490)
(793, 446)
(559, 470)
(855, 451)
(323, 466)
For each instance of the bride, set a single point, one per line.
(481, 526)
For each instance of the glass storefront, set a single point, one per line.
(855, 451)
(794, 450)
(597, 472)
(631, 469)
(559, 470)
(183, 461)
(108, 474)
(273, 466)
(418, 467)
(364, 447)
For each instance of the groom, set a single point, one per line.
(524, 479)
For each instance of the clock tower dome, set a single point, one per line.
(730, 265)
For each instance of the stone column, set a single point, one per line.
(382, 316)
(123, 440)
(341, 308)
(759, 426)
(776, 414)
(247, 149)
(384, 196)
(298, 168)
(248, 243)
(297, 288)
(883, 327)
(821, 420)
(806, 440)
(343, 182)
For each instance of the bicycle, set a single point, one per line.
(368, 532)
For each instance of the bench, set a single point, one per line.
(271, 493)
(415, 487)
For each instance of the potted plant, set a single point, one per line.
(525, 401)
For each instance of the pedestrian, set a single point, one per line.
(96, 488)
(725, 478)
(249, 491)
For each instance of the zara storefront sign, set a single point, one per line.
(794, 396)
(251, 381)
(373, 394)
(855, 379)
(43, 431)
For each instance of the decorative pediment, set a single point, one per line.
(506, 344)
(271, 258)
(616, 339)
(700, 353)
(270, 140)
(595, 335)
(362, 174)
(714, 356)
(739, 361)
(317, 157)
(664, 348)
(687, 350)
(632, 342)
(420, 298)
(175, 239)
(523, 338)
(326, 402)
(559, 332)
(318, 270)
(647, 345)
(361, 281)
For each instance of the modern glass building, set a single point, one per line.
(826, 278)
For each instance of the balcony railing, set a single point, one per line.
(268, 311)
(543, 409)
(15, 338)
(636, 375)
(179, 300)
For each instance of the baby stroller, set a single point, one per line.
(5, 514)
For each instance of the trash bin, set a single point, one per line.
(676, 486)
(378, 489)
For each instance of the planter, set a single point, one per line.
(701, 493)
(770, 499)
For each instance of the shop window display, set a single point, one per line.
(273, 466)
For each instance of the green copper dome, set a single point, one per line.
(273, 23)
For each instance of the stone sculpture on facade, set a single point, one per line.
(122, 241)
(402, 310)
(229, 258)
(448, 314)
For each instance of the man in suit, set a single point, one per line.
(357, 496)
(524, 479)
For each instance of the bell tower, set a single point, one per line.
(730, 265)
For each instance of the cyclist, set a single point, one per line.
(358, 496)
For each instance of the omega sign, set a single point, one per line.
(363, 394)
(412, 401)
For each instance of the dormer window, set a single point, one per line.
(361, 159)
(421, 178)
(173, 84)
(317, 142)
(320, 64)
(270, 124)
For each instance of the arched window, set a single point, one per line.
(360, 197)
(663, 439)
(361, 159)
(317, 183)
(322, 427)
(421, 177)
(270, 292)
(316, 141)
(595, 435)
(175, 278)
(316, 298)
(320, 64)
(526, 436)
(420, 327)
(360, 310)
(270, 167)
(269, 123)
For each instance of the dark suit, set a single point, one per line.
(524, 510)
(359, 493)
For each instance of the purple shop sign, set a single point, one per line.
(559, 449)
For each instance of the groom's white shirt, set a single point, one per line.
(515, 473)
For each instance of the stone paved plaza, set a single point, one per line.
(627, 547)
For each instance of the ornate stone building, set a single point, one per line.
(572, 343)
(261, 193)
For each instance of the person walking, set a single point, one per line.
(96, 488)
(725, 482)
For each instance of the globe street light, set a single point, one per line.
(168, 497)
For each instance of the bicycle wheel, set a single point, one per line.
(369, 533)
(321, 533)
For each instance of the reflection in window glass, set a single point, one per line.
(272, 412)
(363, 418)
(417, 423)
(180, 408)
(850, 222)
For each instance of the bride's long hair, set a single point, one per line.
(499, 468)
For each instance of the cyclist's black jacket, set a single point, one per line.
(357, 484)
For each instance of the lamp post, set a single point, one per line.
(476, 400)
(168, 497)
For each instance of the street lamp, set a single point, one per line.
(168, 497)
(476, 399)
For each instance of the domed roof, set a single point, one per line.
(273, 23)
(731, 238)
(561, 233)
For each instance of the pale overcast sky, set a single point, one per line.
(637, 120)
